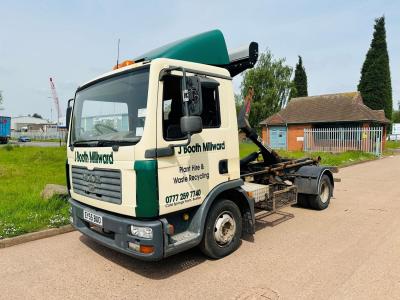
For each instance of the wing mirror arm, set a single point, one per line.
(188, 140)
(166, 151)
(189, 125)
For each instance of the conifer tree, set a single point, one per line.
(299, 88)
(375, 83)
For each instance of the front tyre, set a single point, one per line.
(325, 189)
(223, 230)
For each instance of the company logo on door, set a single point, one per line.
(204, 147)
(94, 157)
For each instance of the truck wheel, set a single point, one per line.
(223, 230)
(321, 201)
(302, 200)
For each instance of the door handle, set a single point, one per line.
(223, 166)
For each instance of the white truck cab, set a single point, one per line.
(153, 162)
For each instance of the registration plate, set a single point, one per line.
(92, 218)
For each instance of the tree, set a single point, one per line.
(35, 115)
(375, 83)
(299, 81)
(396, 116)
(270, 79)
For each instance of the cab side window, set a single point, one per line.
(173, 111)
(210, 116)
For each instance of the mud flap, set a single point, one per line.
(308, 177)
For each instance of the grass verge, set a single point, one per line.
(24, 171)
(392, 148)
(392, 145)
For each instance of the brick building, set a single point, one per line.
(285, 129)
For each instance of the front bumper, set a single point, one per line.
(115, 233)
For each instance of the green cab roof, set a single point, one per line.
(205, 48)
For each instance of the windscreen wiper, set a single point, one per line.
(102, 143)
(89, 143)
(117, 142)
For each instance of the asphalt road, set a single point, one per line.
(349, 251)
(35, 144)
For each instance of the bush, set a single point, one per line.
(9, 147)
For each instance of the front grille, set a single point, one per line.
(101, 184)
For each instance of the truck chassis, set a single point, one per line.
(273, 182)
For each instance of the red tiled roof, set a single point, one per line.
(343, 107)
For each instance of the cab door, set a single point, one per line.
(186, 177)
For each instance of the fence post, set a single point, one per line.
(305, 140)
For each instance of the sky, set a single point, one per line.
(75, 41)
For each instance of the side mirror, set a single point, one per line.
(191, 124)
(68, 116)
(193, 86)
(68, 113)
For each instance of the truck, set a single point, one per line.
(5, 129)
(153, 165)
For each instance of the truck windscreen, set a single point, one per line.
(112, 111)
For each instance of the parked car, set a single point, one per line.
(24, 139)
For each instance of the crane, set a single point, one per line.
(56, 102)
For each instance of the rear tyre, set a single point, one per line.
(223, 230)
(302, 200)
(321, 201)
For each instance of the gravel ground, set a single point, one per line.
(349, 251)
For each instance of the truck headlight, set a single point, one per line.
(142, 232)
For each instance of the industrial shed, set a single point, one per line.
(285, 129)
(28, 123)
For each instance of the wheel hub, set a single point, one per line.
(324, 194)
(224, 229)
